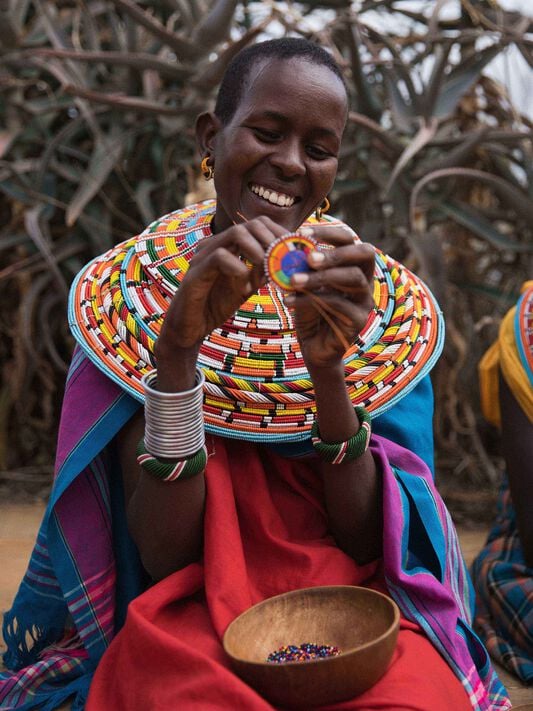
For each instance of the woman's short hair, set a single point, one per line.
(238, 70)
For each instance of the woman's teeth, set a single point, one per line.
(272, 196)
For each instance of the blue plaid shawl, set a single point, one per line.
(504, 586)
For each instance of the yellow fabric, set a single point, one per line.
(503, 355)
(488, 384)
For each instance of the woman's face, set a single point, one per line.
(278, 155)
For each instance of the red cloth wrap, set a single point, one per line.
(265, 533)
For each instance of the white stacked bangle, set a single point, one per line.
(174, 422)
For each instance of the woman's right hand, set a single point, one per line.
(217, 282)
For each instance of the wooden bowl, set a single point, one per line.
(362, 623)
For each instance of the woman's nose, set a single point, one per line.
(289, 159)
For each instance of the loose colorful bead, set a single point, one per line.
(304, 652)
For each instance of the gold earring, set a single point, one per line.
(207, 170)
(321, 209)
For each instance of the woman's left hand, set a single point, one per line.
(339, 285)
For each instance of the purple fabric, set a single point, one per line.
(88, 395)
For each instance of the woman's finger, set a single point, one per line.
(332, 307)
(237, 240)
(335, 235)
(219, 261)
(362, 255)
(350, 280)
(247, 239)
(265, 230)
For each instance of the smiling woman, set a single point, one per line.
(276, 155)
(215, 444)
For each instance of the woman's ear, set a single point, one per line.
(207, 127)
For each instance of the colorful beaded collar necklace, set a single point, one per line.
(257, 386)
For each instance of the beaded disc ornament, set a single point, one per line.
(257, 385)
(286, 256)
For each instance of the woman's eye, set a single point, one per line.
(265, 135)
(318, 153)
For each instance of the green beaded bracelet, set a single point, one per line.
(171, 470)
(337, 452)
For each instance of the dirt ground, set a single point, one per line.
(18, 527)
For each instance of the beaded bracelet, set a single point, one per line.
(337, 452)
(171, 470)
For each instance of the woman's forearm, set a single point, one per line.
(166, 523)
(352, 489)
(165, 519)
